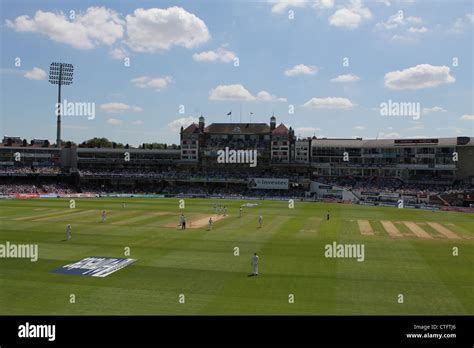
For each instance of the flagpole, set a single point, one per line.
(240, 116)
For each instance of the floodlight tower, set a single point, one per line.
(60, 74)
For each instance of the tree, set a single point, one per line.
(68, 143)
(101, 143)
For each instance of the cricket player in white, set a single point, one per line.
(210, 223)
(260, 220)
(225, 211)
(241, 212)
(104, 216)
(215, 208)
(68, 232)
(255, 264)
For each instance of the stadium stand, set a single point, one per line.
(433, 170)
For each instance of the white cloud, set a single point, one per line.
(414, 20)
(420, 76)
(238, 92)
(119, 107)
(460, 24)
(35, 74)
(220, 54)
(403, 38)
(329, 103)
(155, 28)
(392, 135)
(98, 25)
(433, 109)
(279, 6)
(230, 92)
(323, 4)
(457, 27)
(398, 20)
(467, 118)
(265, 96)
(181, 122)
(359, 127)
(156, 83)
(418, 30)
(351, 15)
(306, 131)
(346, 78)
(137, 122)
(388, 3)
(114, 121)
(301, 69)
(118, 53)
(392, 22)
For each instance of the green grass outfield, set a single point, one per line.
(201, 264)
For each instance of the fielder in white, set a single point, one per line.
(182, 222)
(260, 220)
(68, 232)
(255, 264)
(210, 224)
(240, 212)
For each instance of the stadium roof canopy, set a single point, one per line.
(111, 150)
(422, 142)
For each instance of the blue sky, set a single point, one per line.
(189, 58)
